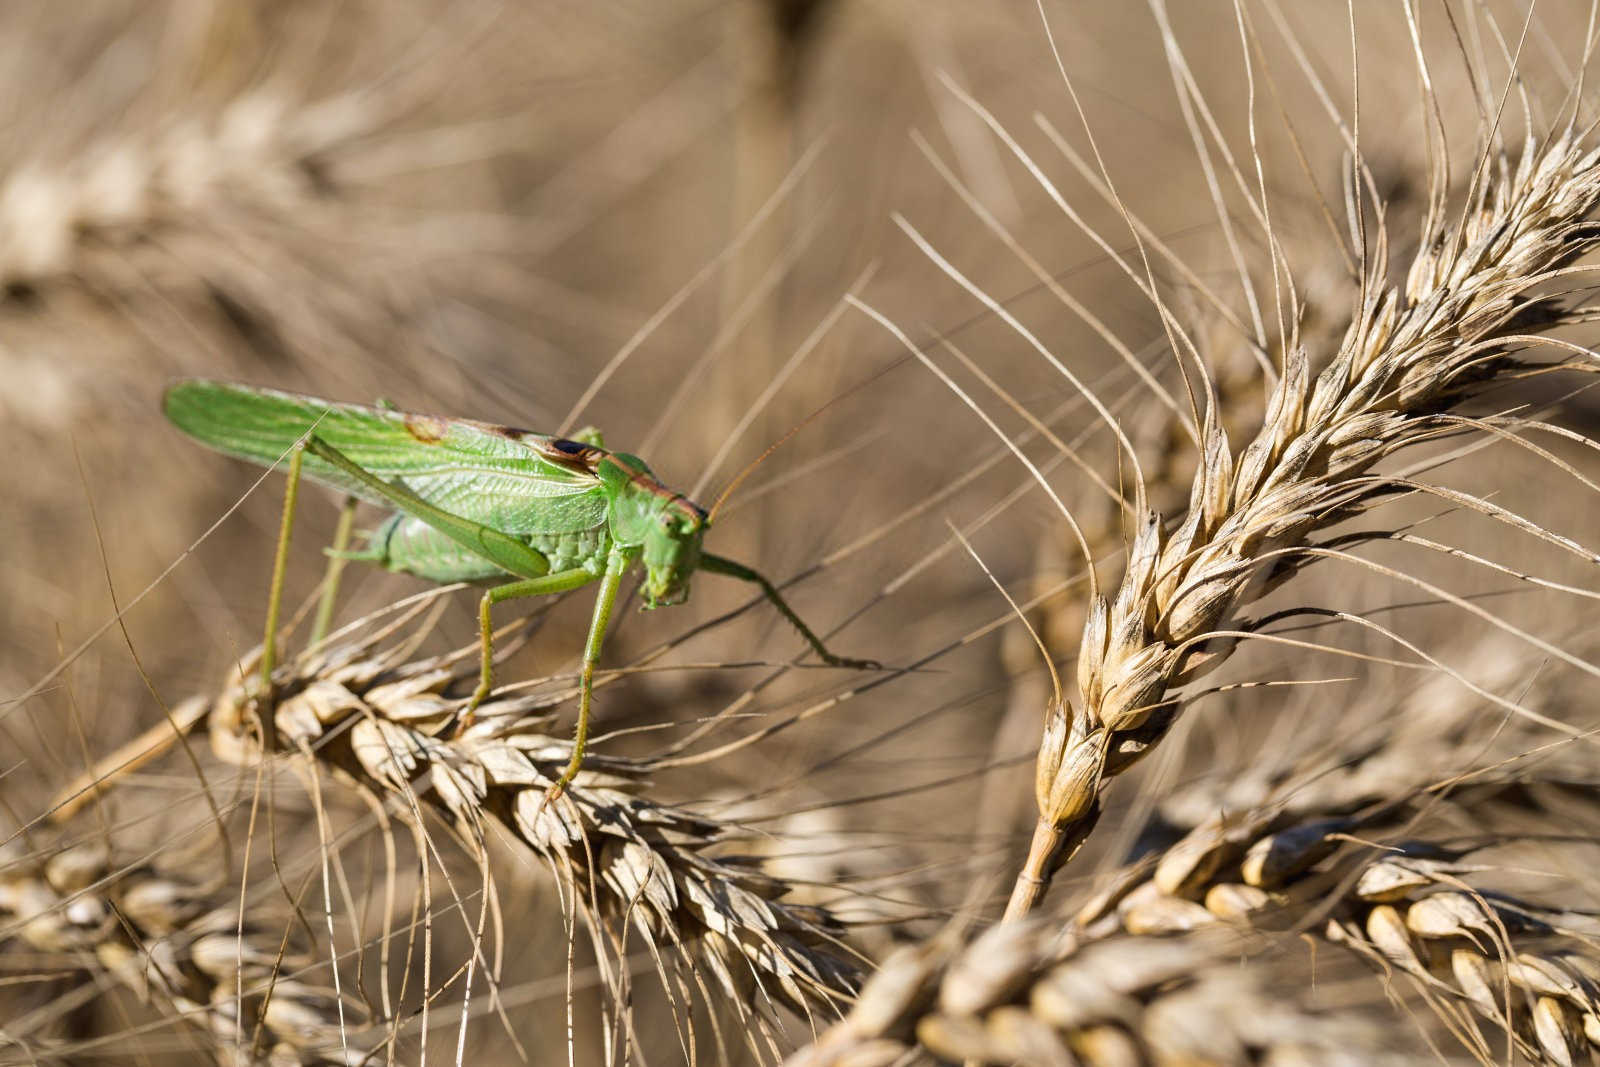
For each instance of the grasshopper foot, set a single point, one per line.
(468, 716)
(551, 795)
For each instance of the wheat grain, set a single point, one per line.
(1343, 839)
(1411, 906)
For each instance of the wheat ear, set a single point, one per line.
(1035, 992)
(1460, 324)
(1351, 841)
(382, 722)
(1404, 901)
(185, 947)
(259, 152)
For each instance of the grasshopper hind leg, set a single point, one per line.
(280, 563)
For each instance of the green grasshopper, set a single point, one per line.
(475, 502)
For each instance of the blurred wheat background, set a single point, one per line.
(1370, 835)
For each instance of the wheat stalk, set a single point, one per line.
(1342, 841)
(362, 708)
(1126, 980)
(1345, 841)
(366, 710)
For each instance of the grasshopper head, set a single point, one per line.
(672, 552)
(664, 526)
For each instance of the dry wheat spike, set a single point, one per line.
(1034, 993)
(1352, 841)
(380, 721)
(259, 153)
(184, 947)
(1464, 321)
(1402, 900)
(1397, 841)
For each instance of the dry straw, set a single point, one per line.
(1485, 303)
(259, 155)
(1179, 958)
(1350, 841)
(644, 876)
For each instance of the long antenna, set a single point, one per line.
(722, 498)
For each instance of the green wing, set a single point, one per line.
(514, 481)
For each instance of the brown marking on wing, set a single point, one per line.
(648, 482)
(428, 429)
(566, 453)
(513, 432)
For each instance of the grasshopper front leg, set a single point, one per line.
(733, 569)
(616, 564)
(559, 582)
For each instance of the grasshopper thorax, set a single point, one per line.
(664, 526)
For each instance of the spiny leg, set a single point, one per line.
(722, 565)
(280, 563)
(559, 582)
(338, 556)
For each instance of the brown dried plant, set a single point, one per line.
(238, 203)
(363, 709)
(1423, 834)
(1484, 298)
(1436, 362)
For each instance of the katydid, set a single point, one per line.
(475, 502)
